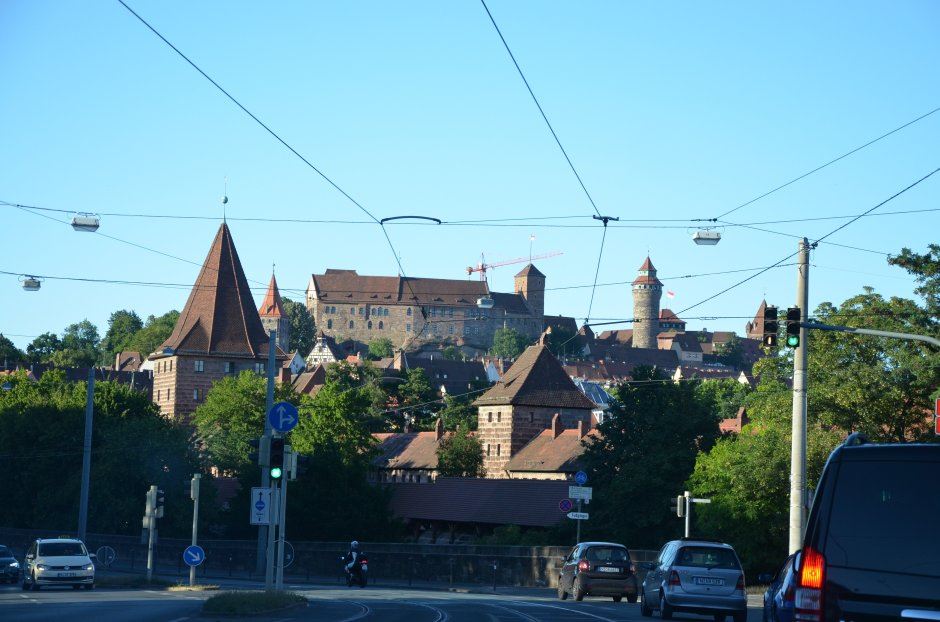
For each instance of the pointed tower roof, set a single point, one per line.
(272, 306)
(755, 329)
(220, 315)
(647, 274)
(536, 379)
(530, 270)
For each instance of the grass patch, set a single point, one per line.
(250, 603)
(131, 581)
(199, 587)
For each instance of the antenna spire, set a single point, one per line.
(224, 197)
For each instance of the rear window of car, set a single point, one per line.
(707, 557)
(879, 515)
(605, 554)
(61, 549)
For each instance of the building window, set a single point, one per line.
(381, 324)
(171, 364)
(199, 366)
(489, 417)
(450, 329)
(229, 367)
(497, 449)
(408, 312)
(259, 368)
(362, 310)
(499, 417)
(329, 324)
(369, 324)
(352, 324)
(158, 394)
(531, 416)
(385, 312)
(487, 449)
(195, 395)
(407, 328)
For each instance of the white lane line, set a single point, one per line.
(180, 619)
(577, 611)
(441, 614)
(365, 611)
(524, 616)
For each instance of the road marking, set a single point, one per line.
(180, 619)
(578, 611)
(365, 611)
(524, 616)
(441, 614)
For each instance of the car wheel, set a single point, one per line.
(631, 598)
(578, 590)
(562, 594)
(665, 611)
(617, 599)
(645, 610)
(33, 585)
(740, 616)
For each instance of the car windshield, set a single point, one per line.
(605, 554)
(707, 557)
(5, 552)
(61, 549)
(895, 499)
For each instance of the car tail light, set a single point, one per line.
(674, 578)
(583, 565)
(740, 585)
(808, 600)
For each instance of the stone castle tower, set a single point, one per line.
(647, 290)
(273, 316)
(530, 283)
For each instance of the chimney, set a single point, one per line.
(557, 427)
(439, 429)
(583, 428)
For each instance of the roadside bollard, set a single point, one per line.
(495, 569)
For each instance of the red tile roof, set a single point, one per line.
(220, 315)
(536, 379)
(407, 450)
(647, 265)
(736, 423)
(668, 315)
(524, 502)
(647, 274)
(271, 306)
(546, 453)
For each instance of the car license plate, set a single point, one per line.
(68, 574)
(608, 569)
(709, 581)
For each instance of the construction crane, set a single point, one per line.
(482, 267)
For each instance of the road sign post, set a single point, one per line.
(283, 417)
(565, 505)
(581, 493)
(194, 495)
(260, 506)
(151, 520)
(194, 555)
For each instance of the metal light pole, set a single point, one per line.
(86, 456)
(194, 493)
(152, 524)
(688, 512)
(798, 429)
(281, 524)
(261, 566)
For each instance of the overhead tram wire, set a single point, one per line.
(819, 168)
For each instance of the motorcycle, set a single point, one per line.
(358, 573)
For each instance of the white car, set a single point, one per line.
(58, 561)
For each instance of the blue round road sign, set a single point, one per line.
(565, 505)
(283, 417)
(581, 478)
(194, 555)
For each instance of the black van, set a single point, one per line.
(872, 544)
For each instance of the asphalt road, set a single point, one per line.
(326, 604)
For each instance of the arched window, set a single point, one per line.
(408, 312)
(329, 324)
(385, 312)
(369, 324)
(352, 324)
(381, 324)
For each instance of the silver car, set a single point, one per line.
(695, 576)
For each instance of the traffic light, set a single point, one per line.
(277, 458)
(160, 503)
(151, 502)
(677, 505)
(771, 326)
(793, 327)
(262, 454)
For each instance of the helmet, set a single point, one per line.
(354, 545)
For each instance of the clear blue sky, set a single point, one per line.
(679, 110)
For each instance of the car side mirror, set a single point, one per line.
(92, 556)
(764, 578)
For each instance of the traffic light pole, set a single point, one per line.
(152, 524)
(86, 456)
(263, 530)
(282, 520)
(687, 499)
(798, 425)
(275, 518)
(194, 493)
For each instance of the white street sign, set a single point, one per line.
(701, 500)
(580, 492)
(260, 506)
(578, 515)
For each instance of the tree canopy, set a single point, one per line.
(303, 331)
(122, 326)
(460, 454)
(381, 348)
(508, 343)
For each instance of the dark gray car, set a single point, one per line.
(9, 566)
(599, 569)
(695, 576)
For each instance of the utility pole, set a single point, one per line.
(281, 523)
(687, 500)
(86, 456)
(152, 524)
(261, 556)
(194, 494)
(578, 537)
(798, 428)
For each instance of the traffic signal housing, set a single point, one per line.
(277, 458)
(793, 327)
(771, 327)
(677, 505)
(262, 450)
(160, 503)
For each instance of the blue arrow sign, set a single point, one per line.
(283, 417)
(581, 478)
(194, 555)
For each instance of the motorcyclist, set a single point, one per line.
(352, 557)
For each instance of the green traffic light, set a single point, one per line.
(793, 341)
(276, 472)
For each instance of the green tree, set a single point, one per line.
(643, 456)
(303, 331)
(132, 448)
(562, 342)
(79, 346)
(156, 330)
(122, 326)
(731, 353)
(508, 343)
(458, 412)
(381, 348)
(926, 267)
(41, 349)
(723, 397)
(451, 353)
(460, 454)
(10, 355)
(415, 393)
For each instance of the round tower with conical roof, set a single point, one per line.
(647, 290)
